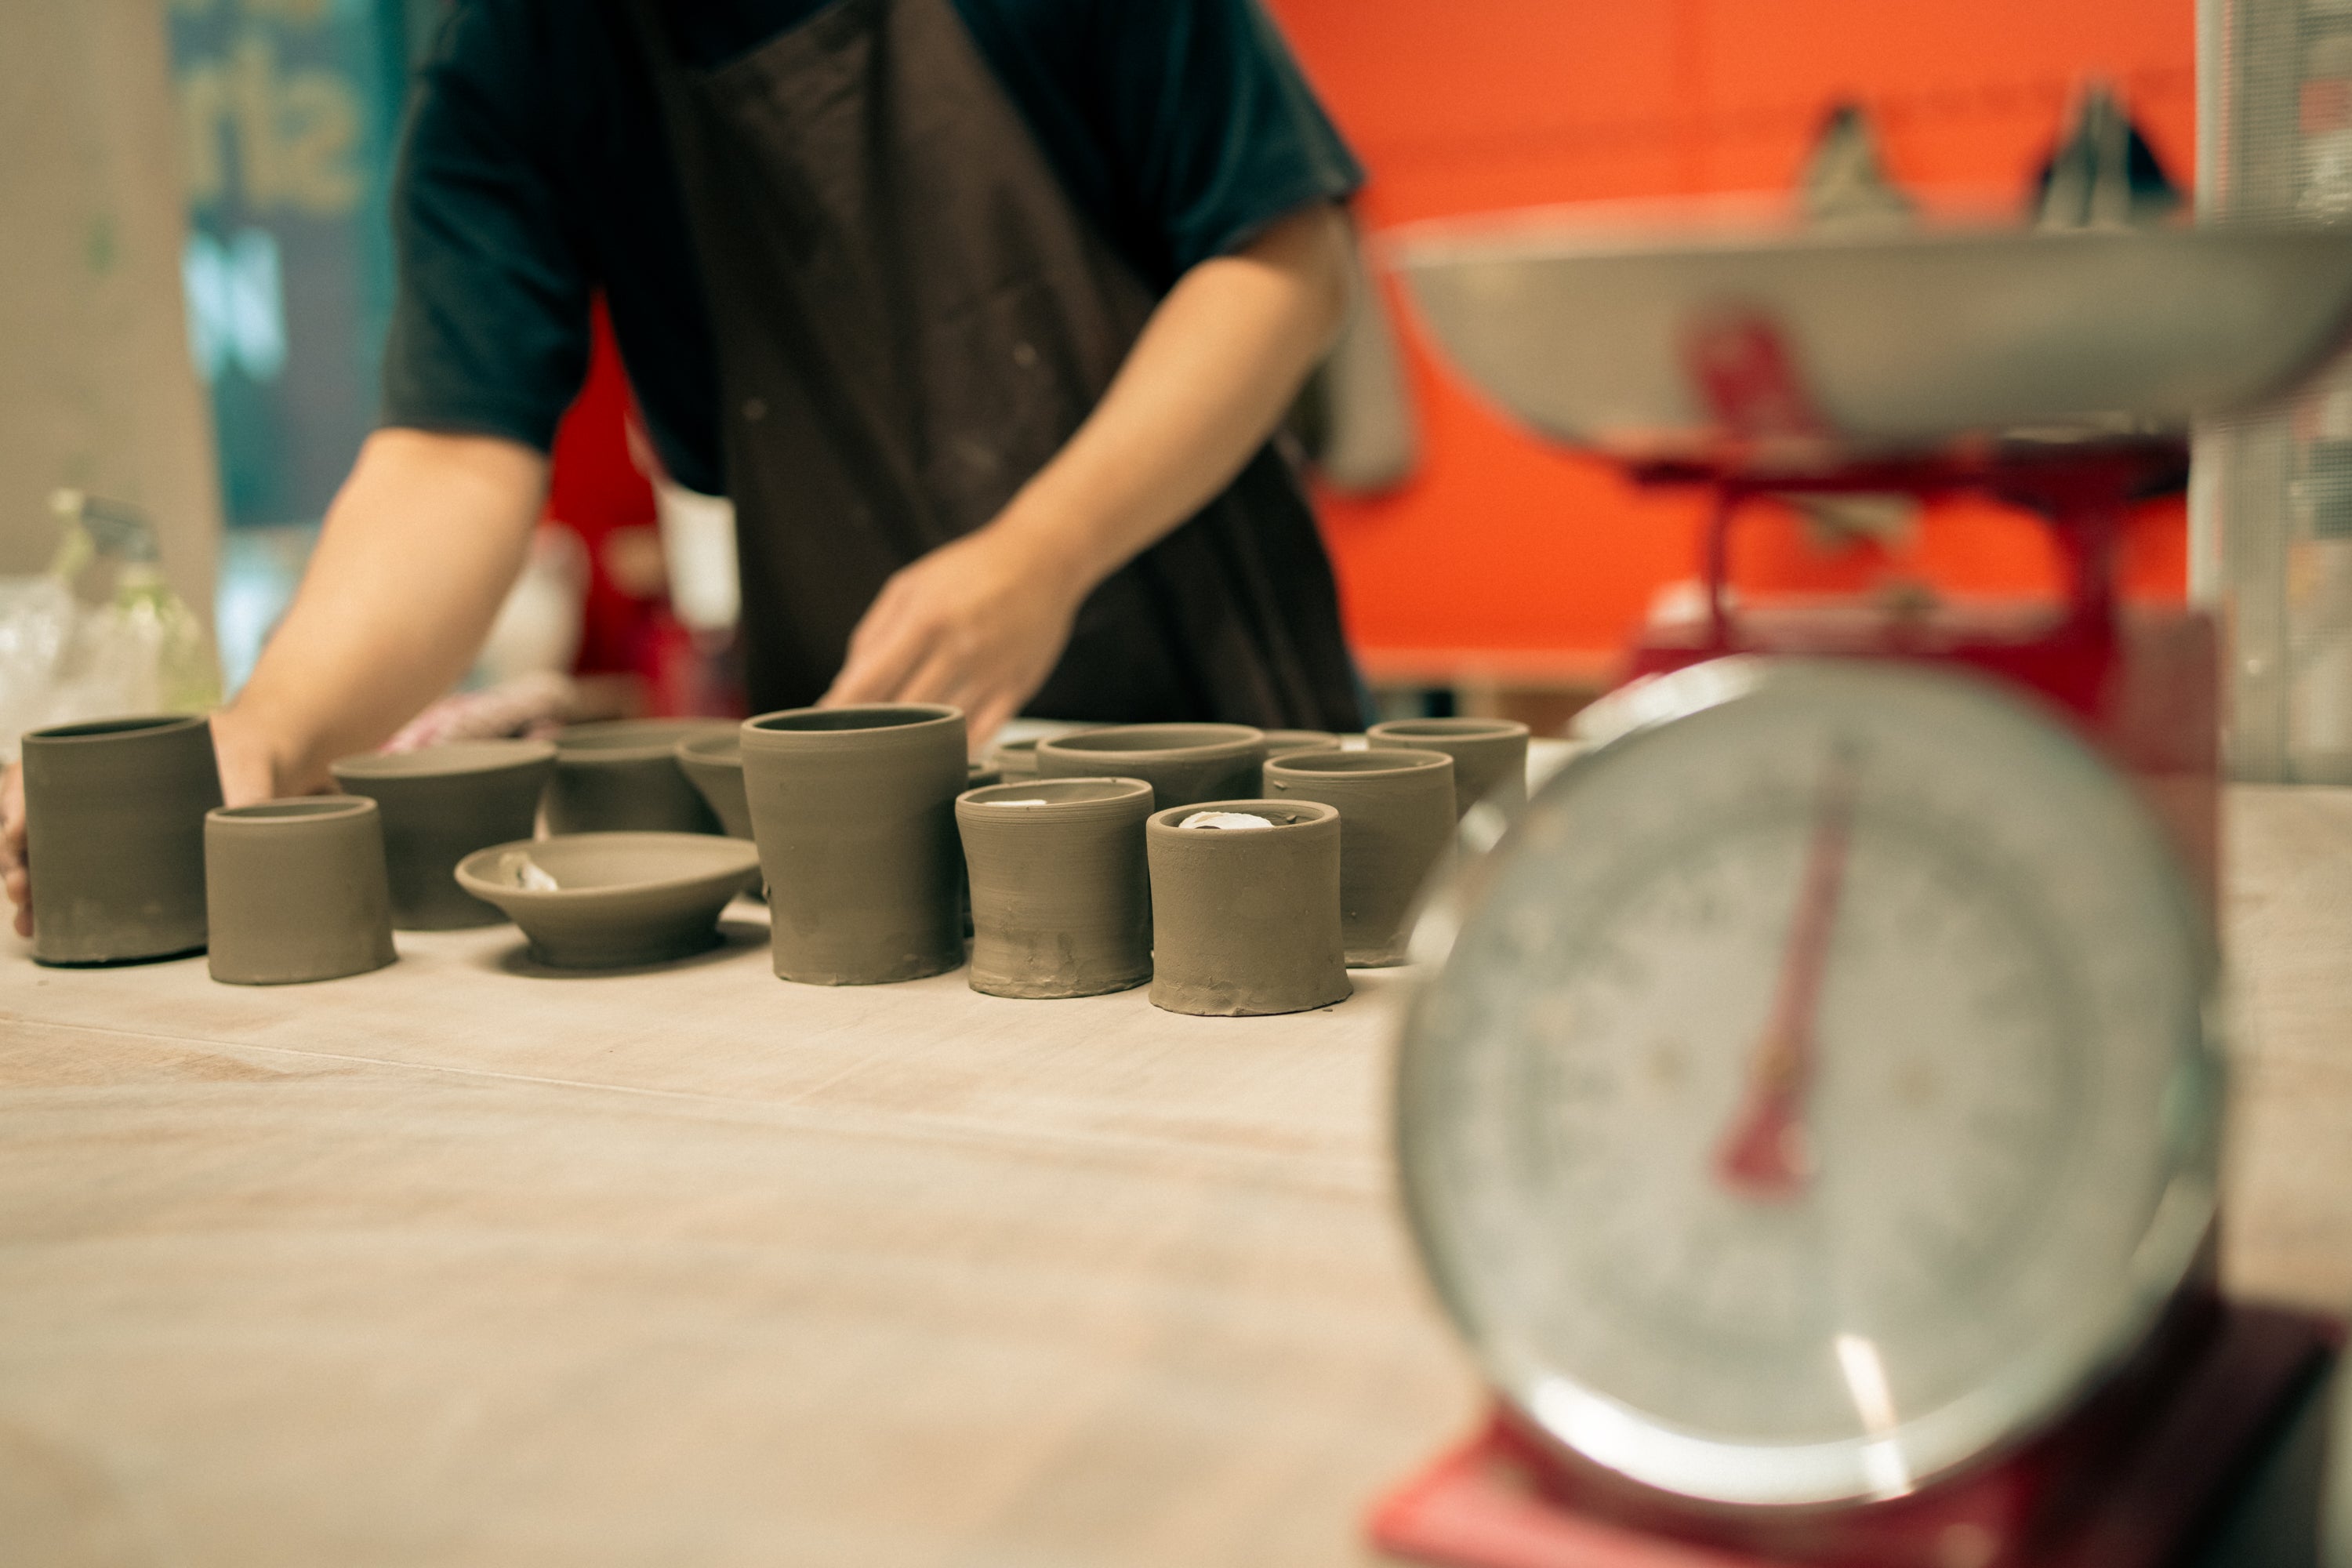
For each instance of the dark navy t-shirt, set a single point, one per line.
(535, 173)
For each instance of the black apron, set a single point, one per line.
(911, 319)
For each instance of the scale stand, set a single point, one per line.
(2134, 1476)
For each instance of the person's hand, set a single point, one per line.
(978, 623)
(247, 770)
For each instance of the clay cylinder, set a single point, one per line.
(1490, 755)
(1182, 763)
(1061, 894)
(713, 764)
(438, 806)
(853, 810)
(1246, 922)
(1396, 819)
(1282, 743)
(115, 832)
(297, 890)
(622, 777)
(1014, 759)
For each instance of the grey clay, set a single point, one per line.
(1246, 922)
(297, 890)
(854, 809)
(115, 831)
(620, 900)
(1061, 895)
(623, 776)
(713, 763)
(438, 806)
(1182, 763)
(1396, 821)
(1490, 755)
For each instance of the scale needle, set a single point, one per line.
(1764, 1156)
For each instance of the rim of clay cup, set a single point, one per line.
(1386, 760)
(1186, 740)
(270, 815)
(1279, 743)
(451, 759)
(713, 849)
(629, 740)
(1061, 798)
(804, 726)
(1446, 730)
(117, 729)
(721, 749)
(1297, 814)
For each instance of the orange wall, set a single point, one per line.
(1461, 106)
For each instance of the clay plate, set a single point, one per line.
(621, 898)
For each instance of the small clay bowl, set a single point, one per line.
(295, 890)
(1282, 743)
(438, 806)
(713, 763)
(620, 898)
(1396, 821)
(1182, 763)
(1490, 755)
(1246, 922)
(623, 776)
(115, 819)
(1014, 759)
(1061, 897)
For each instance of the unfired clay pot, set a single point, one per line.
(1282, 743)
(854, 813)
(1182, 763)
(619, 899)
(1061, 896)
(713, 763)
(1396, 820)
(981, 774)
(1490, 755)
(1246, 922)
(622, 777)
(438, 806)
(114, 818)
(297, 890)
(1015, 759)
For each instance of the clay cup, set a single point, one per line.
(115, 837)
(1183, 762)
(438, 806)
(297, 890)
(1061, 894)
(623, 776)
(713, 763)
(1396, 819)
(1282, 743)
(1490, 755)
(1246, 922)
(854, 809)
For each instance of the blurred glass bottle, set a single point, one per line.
(142, 634)
(2271, 498)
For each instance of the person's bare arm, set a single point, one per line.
(981, 622)
(419, 550)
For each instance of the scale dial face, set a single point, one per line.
(1815, 1093)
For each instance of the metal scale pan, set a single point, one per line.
(1588, 324)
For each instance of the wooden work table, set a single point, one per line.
(466, 1262)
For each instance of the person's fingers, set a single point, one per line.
(879, 668)
(983, 719)
(15, 880)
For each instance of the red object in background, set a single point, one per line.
(595, 491)
(1503, 543)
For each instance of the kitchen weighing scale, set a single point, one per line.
(1810, 1120)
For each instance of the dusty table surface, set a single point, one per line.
(465, 1262)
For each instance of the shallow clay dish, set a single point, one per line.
(1182, 763)
(620, 897)
(438, 806)
(624, 777)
